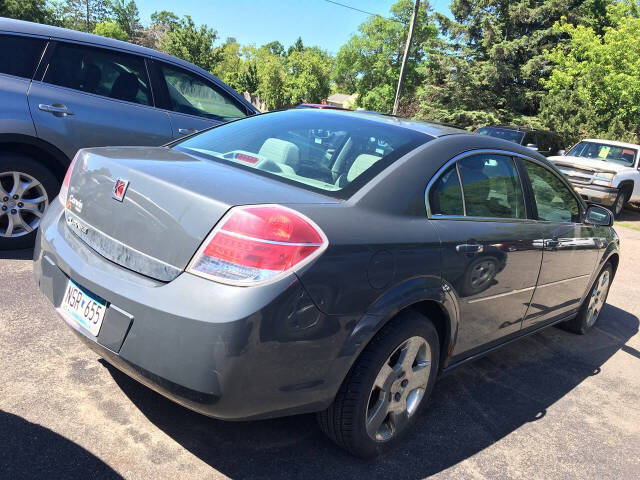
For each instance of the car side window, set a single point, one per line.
(544, 142)
(491, 187)
(554, 200)
(530, 139)
(99, 71)
(190, 94)
(19, 56)
(445, 196)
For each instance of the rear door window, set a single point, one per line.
(99, 71)
(188, 93)
(19, 56)
(491, 187)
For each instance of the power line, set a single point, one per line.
(361, 11)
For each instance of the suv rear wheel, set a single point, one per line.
(26, 188)
(386, 388)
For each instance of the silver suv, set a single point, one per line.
(62, 90)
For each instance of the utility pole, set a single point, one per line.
(407, 46)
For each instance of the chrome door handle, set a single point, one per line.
(469, 248)
(187, 131)
(55, 108)
(553, 243)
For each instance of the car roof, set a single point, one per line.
(611, 142)
(9, 25)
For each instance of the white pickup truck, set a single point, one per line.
(603, 172)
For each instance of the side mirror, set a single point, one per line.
(561, 151)
(532, 146)
(597, 215)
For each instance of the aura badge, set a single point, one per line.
(119, 189)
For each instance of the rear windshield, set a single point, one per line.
(504, 133)
(606, 153)
(328, 151)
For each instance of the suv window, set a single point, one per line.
(445, 196)
(102, 72)
(554, 200)
(530, 138)
(491, 187)
(19, 56)
(188, 93)
(544, 142)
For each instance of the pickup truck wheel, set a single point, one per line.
(26, 188)
(621, 199)
(386, 388)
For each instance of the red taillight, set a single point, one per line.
(64, 189)
(256, 244)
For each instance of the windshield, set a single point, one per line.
(606, 153)
(504, 133)
(320, 149)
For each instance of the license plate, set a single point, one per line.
(84, 307)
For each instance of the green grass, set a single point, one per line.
(634, 226)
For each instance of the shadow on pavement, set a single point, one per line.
(471, 409)
(26, 254)
(31, 451)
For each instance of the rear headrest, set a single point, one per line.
(362, 162)
(280, 151)
(125, 87)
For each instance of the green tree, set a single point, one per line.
(490, 62)
(83, 14)
(155, 34)
(594, 89)
(271, 73)
(126, 15)
(230, 65)
(369, 63)
(191, 43)
(30, 10)
(111, 30)
(308, 76)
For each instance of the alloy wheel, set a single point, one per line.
(598, 297)
(398, 389)
(23, 200)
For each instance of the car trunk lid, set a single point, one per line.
(170, 203)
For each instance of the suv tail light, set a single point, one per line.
(64, 189)
(257, 244)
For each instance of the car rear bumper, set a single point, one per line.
(228, 352)
(601, 195)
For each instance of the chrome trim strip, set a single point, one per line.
(504, 294)
(119, 253)
(566, 280)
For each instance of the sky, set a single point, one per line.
(318, 22)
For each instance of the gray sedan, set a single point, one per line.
(318, 261)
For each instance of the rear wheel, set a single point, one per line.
(592, 305)
(386, 388)
(26, 188)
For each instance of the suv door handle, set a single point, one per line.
(552, 243)
(55, 108)
(187, 131)
(469, 248)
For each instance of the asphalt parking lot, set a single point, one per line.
(553, 405)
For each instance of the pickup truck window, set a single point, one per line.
(607, 153)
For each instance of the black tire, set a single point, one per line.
(15, 162)
(621, 199)
(585, 319)
(344, 421)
